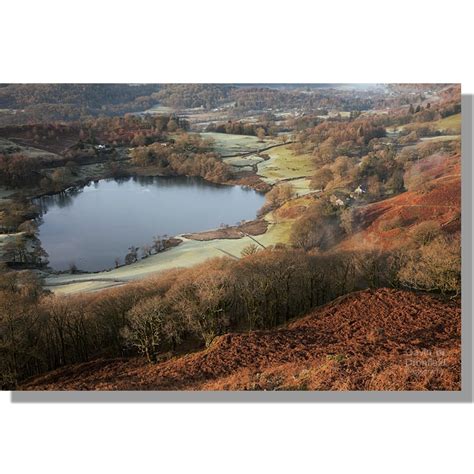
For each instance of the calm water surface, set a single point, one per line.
(93, 226)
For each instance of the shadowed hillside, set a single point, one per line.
(369, 340)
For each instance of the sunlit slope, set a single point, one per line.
(369, 340)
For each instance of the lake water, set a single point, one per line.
(93, 226)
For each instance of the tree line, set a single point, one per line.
(185, 155)
(45, 102)
(242, 128)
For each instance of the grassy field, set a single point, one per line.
(247, 160)
(228, 144)
(284, 165)
(159, 109)
(453, 122)
(7, 145)
(301, 186)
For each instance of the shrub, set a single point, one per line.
(348, 220)
(249, 250)
(434, 267)
(321, 178)
(316, 229)
(418, 183)
(277, 196)
(425, 232)
(342, 166)
(393, 223)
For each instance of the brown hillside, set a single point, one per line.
(370, 340)
(439, 200)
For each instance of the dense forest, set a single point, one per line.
(48, 102)
(93, 96)
(33, 103)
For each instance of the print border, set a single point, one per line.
(462, 396)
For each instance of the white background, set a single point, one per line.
(236, 41)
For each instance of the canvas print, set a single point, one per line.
(230, 237)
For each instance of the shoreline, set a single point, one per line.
(32, 194)
(188, 253)
(146, 265)
(193, 248)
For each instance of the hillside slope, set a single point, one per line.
(384, 224)
(370, 340)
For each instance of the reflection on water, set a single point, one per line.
(63, 199)
(94, 225)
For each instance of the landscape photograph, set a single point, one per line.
(230, 237)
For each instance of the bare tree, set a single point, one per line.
(132, 255)
(152, 327)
